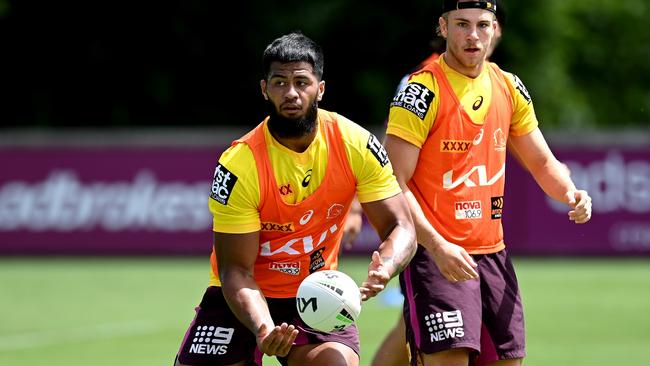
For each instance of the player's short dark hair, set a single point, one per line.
(501, 14)
(294, 47)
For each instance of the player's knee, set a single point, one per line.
(177, 363)
(452, 357)
(508, 362)
(324, 354)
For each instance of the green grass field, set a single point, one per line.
(116, 311)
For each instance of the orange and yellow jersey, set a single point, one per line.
(297, 201)
(414, 108)
(461, 126)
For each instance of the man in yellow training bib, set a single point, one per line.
(447, 135)
(280, 196)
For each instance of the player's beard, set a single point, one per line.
(284, 127)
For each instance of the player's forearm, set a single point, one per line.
(399, 247)
(427, 236)
(245, 299)
(553, 177)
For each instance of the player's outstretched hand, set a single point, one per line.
(454, 262)
(277, 341)
(378, 277)
(580, 203)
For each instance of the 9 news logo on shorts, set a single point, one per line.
(222, 184)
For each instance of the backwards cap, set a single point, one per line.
(489, 5)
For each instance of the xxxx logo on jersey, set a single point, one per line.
(272, 226)
(454, 146)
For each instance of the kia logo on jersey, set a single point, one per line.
(477, 176)
(296, 246)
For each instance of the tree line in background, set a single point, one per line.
(198, 63)
(586, 63)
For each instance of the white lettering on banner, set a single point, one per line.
(627, 236)
(613, 184)
(63, 203)
(307, 244)
(448, 181)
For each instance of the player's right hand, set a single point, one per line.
(378, 277)
(454, 262)
(277, 341)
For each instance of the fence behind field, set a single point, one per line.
(145, 193)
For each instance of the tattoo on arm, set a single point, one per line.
(398, 265)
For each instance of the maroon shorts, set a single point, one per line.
(442, 315)
(216, 337)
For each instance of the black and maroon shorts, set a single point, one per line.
(441, 315)
(216, 337)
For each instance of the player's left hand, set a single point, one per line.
(581, 203)
(276, 341)
(378, 277)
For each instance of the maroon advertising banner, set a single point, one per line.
(110, 200)
(618, 180)
(153, 201)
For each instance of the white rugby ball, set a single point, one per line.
(328, 300)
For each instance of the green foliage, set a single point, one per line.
(584, 62)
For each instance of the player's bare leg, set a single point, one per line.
(452, 357)
(511, 362)
(393, 350)
(243, 363)
(323, 354)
